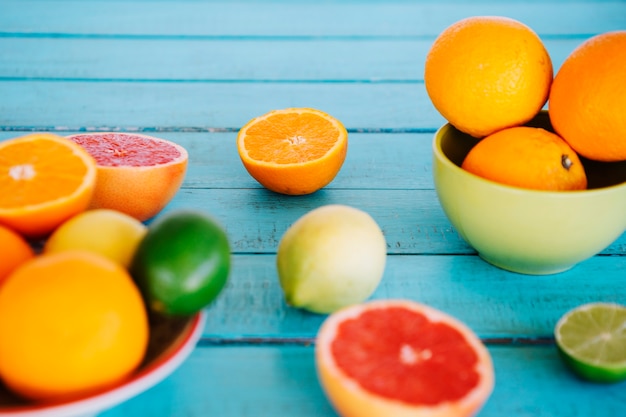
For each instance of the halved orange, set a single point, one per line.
(293, 151)
(45, 179)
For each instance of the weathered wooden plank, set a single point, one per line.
(128, 105)
(281, 380)
(496, 304)
(289, 18)
(222, 60)
(374, 161)
(412, 220)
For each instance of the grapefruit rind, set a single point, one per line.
(584, 366)
(351, 400)
(139, 191)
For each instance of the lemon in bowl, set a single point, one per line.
(523, 230)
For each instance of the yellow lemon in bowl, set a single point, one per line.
(107, 232)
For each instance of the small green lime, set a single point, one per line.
(592, 341)
(183, 262)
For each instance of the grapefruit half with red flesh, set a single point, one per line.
(137, 174)
(401, 358)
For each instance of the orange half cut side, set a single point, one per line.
(45, 179)
(293, 151)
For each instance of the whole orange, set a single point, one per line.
(486, 73)
(71, 323)
(527, 157)
(587, 104)
(14, 250)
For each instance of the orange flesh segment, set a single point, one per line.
(27, 181)
(401, 355)
(288, 138)
(113, 149)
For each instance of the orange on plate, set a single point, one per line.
(137, 174)
(45, 179)
(293, 151)
(401, 358)
(587, 104)
(486, 73)
(527, 157)
(71, 323)
(14, 251)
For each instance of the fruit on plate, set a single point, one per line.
(45, 179)
(487, 73)
(588, 98)
(15, 251)
(137, 174)
(401, 358)
(182, 263)
(331, 257)
(527, 157)
(591, 339)
(293, 151)
(107, 232)
(71, 323)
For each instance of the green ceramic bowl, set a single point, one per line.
(528, 231)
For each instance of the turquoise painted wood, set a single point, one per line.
(195, 71)
(537, 387)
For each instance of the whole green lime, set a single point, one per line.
(182, 263)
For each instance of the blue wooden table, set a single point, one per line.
(195, 71)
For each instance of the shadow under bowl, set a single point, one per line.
(528, 231)
(172, 339)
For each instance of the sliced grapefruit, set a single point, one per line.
(137, 174)
(400, 358)
(44, 180)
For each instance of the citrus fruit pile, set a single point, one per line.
(75, 313)
(490, 75)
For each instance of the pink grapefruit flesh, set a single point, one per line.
(137, 174)
(401, 358)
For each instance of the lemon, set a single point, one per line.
(592, 341)
(110, 233)
(183, 262)
(331, 257)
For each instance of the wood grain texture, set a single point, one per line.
(284, 18)
(242, 381)
(226, 60)
(496, 304)
(130, 105)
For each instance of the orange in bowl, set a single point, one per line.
(71, 323)
(587, 104)
(293, 151)
(137, 174)
(45, 179)
(527, 157)
(486, 73)
(15, 251)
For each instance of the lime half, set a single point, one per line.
(592, 341)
